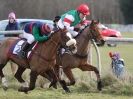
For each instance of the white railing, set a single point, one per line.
(118, 40)
(11, 32)
(108, 40)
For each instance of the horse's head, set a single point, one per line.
(66, 40)
(93, 31)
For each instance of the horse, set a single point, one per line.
(79, 60)
(43, 58)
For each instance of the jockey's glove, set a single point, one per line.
(76, 29)
(82, 27)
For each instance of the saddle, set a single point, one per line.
(19, 44)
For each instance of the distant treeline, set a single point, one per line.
(107, 11)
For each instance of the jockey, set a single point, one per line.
(35, 31)
(12, 24)
(73, 18)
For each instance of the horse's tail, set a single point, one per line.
(4, 50)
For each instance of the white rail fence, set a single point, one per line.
(11, 32)
(107, 40)
(118, 40)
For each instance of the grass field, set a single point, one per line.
(85, 87)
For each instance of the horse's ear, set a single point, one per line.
(92, 22)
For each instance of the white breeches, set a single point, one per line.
(70, 29)
(30, 38)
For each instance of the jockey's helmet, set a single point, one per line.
(12, 15)
(46, 29)
(84, 9)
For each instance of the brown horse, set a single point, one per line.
(42, 60)
(79, 60)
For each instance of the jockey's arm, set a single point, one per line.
(67, 22)
(37, 36)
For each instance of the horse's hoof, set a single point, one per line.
(5, 88)
(23, 89)
(67, 90)
(54, 85)
(99, 85)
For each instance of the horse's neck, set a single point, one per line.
(83, 44)
(49, 48)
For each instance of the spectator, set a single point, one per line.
(117, 64)
(12, 25)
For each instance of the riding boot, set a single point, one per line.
(24, 49)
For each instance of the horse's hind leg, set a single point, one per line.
(88, 67)
(4, 81)
(33, 77)
(69, 75)
(18, 76)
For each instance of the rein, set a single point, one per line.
(78, 55)
(82, 30)
(81, 56)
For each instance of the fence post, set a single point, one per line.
(98, 56)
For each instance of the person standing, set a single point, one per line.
(117, 64)
(12, 25)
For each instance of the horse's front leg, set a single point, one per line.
(62, 82)
(88, 67)
(51, 77)
(69, 75)
(33, 77)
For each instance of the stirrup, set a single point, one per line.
(22, 54)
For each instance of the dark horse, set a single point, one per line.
(79, 60)
(43, 58)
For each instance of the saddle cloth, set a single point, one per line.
(18, 45)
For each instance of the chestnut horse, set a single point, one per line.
(79, 60)
(43, 58)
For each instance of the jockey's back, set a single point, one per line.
(44, 28)
(28, 27)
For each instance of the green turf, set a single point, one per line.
(85, 87)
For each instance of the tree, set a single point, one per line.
(127, 9)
